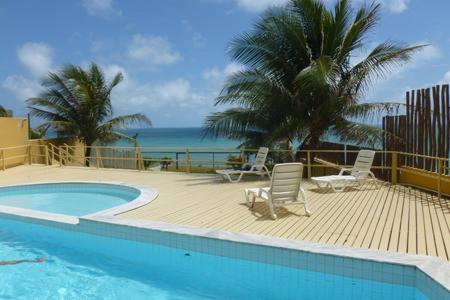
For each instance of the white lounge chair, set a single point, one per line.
(284, 189)
(257, 168)
(359, 174)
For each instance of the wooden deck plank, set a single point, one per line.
(394, 218)
(359, 222)
(440, 210)
(403, 234)
(364, 236)
(380, 226)
(412, 225)
(337, 229)
(437, 232)
(420, 225)
(396, 224)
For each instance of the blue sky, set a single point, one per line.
(172, 52)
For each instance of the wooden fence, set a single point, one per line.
(424, 130)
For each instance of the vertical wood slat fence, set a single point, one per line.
(424, 130)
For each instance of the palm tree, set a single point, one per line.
(5, 113)
(77, 102)
(300, 79)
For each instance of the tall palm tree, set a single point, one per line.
(5, 113)
(77, 102)
(300, 80)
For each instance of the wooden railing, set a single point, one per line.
(389, 165)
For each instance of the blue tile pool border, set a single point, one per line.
(430, 275)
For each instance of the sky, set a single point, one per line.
(172, 53)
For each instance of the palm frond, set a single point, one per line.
(380, 62)
(369, 111)
(359, 133)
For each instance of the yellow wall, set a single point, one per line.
(424, 179)
(14, 135)
(13, 132)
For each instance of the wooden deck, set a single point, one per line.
(392, 218)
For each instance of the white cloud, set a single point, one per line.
(258, 5)
(198, 40)
(132, 95)
(36, 57)
(446, 78)
(152, 50)
(23, 88)
(217, 74)
(396, 6)
(430, 52)
(100, 7)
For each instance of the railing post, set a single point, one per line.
(213, 161)
(3, 160)
(52, 153)
(67, 153)
(96, 158)
(46, 154)
(176, 160)
(140, 160)
(187, 157)
(29, 154)
(394, 166)
(242, 157)
(308, 163)
(440, 163)
(60, 156)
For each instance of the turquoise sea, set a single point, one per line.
(180, 138)
(172, 143)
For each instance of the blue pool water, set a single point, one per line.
(76, 199)
(86, 266)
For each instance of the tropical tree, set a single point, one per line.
(77, 102)
(301, 78)
(5, 113)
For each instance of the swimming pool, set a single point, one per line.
(95, 260)
(69, 198)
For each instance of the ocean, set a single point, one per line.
(177, 138)
(173, 142)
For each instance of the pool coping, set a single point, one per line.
(434, 267)
(146, 195)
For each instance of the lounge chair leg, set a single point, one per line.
(272, 210)
(305, 202)
(267, 171)
(318, 185)
(336, 189)
(374, 179)
(247, 197)
(239, 178)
